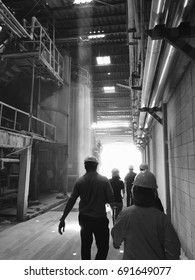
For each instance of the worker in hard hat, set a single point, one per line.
(118, 189)
(147, 232)
(95, 192)
(143, 166)
(129, 178)
(158, 204)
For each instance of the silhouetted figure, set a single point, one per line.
(95, 192)
(129, 178)
(147, 233)
(118, 189)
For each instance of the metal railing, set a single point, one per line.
(15, 119)
(47, 49)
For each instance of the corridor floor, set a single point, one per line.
(38, 239)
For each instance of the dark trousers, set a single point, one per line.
(129, 198)
(116, 209)
(99, 228)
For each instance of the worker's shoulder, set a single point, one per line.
(102, 177)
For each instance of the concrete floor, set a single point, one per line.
(38, 239)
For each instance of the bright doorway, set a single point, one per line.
(119, 155)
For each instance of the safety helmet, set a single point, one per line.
(90, 159)
(131, 167)
(143, 166)
(115, 172)
(146, 180)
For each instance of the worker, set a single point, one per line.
(129, 178)
(147, 232)
(158, 204)
(95, 192)
(118, 189)
(143, 166)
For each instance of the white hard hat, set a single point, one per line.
(145, 179)
(115, 172)
(143, 166)
(131, 167)
(91, 159)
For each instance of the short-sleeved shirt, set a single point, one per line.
(117, 186)
(94, 191)
(129, 178)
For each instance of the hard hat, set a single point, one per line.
(146, 180)
(91, 159)
(143, 166)
(115, 172)
(131, 167)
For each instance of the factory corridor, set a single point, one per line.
(75, 83)
(38, 239)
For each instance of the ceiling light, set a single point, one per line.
(96, 36)
(110, 124)
(109, 89)
(82, 1)
(103, 60)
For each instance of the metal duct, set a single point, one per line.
(168, 55)
(152, 56)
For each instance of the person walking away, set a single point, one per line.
(143, 166)
(119, 190)
(147, 232)
(158, 204)
(129, 178)
(95, 192)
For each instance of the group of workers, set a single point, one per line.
(142, 228)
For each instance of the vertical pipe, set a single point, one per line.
(166, 161)
(31, 98)
(1, 112)
(15, 119)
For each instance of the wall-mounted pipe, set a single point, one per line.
(152, 56)
(168, 56)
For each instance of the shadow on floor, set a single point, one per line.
(46, 202)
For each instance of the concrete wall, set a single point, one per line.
(157, 163)
(181, 133)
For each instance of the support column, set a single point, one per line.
(23, 186)
(166, 154)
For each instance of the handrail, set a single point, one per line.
(17, 120)
(46, 48)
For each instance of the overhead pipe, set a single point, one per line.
(168, 56)
(131, 40)
(152, 56)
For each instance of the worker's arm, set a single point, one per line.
(118, 230)
(109, 193)
(172, 244)
(68, 208)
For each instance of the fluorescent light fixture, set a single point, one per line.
(96, 36)
(109, 89)
(103, 60)
(82, 1)
(110, 124)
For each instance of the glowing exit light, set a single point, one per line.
(82, 1)
(103, 60)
